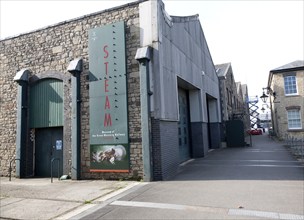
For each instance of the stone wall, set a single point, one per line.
(51, 49)
(282, 101)
(8, 110)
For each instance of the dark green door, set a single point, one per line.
(183, 126)
(48, 145)
(235, 133)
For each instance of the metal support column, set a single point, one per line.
(75, 68)
(143, 57)
(22, 106)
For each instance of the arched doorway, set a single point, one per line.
(46, 120)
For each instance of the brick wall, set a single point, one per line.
(165, 150)
(51, 49)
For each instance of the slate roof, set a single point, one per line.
(238, 87)
(293, 65)
(222, 69)
(244, 89)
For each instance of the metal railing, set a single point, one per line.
(296, 145)
(52, 161)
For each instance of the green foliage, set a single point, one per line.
(87, 202)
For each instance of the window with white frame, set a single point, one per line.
(290, 85)
(294, 119)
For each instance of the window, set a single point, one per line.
(228, 98)
(290, 85)
(294, 119)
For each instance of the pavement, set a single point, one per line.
(40, 199)
(260, 182)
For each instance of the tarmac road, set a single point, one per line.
(260, 182)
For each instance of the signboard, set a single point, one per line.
(109, 138)
(58, 144)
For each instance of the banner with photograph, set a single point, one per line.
(109, 138)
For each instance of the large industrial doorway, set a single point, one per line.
(183, 126)
(213, 122)
(46, 120)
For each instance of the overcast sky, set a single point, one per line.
(255, 36)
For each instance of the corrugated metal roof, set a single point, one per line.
(181, 19)
(295, 64)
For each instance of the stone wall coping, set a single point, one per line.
(75, 19)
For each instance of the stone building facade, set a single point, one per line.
(233, 97)
(246, 118)
(47, 53)
(171, 109)
(228, 89)
(285, 91)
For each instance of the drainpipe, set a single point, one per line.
(143, 57)
(21, 78)
(75, 68)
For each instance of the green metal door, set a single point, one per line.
(235, 133)
(183, 126)
(46, 104)
(48, 145)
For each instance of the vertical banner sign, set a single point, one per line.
(109, 142)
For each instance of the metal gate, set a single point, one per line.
(183, 126)
(49, 145)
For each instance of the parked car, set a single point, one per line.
(255, 131)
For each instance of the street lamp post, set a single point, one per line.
(264, 97)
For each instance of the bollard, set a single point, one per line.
(10, 168)
(53, 159)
